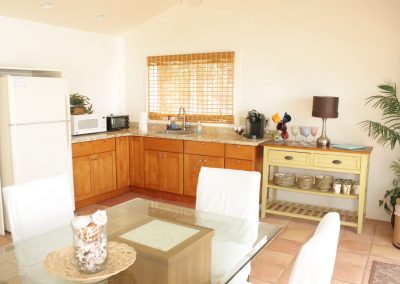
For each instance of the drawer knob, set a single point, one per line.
(288, 158)
(237, 147)
(337, 162)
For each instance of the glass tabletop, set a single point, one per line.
(234, 241)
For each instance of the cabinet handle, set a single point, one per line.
(237, 162)
(204, 161)
(237, 147)
(337, 162)
(288, 158)
(160, 155)
(200, 161)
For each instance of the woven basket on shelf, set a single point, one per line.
(324, 183)
(305, 182)
(284, 179)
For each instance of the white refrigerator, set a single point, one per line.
(35, 139)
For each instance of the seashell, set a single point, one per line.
(99, 217)
(80, 222)
(91, 233)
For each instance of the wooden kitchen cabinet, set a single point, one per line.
(82, 180)
(94, 165)
(103, 172)
(122, 158)
(163, 164)
(243, 157)
(136, 161)
(200, 154)
(192, 166)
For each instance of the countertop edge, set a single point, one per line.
(219, 138)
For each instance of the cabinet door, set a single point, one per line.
(122, 156)
(171, 172)
(237, 164)
(151, 169)
(136, 159)
(103, 172)
(82, 186)
(192, 166)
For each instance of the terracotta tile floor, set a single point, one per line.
(275, 262)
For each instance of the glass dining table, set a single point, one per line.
(233, 242)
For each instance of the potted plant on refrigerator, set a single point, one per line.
(387, 132)
(80, 104)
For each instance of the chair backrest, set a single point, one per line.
(39, 206)
(229, 192)
(316, 259)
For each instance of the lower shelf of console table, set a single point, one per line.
(310, 212)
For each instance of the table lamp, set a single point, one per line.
(325, 107)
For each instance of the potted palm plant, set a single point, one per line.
(80, 104)
(387, 132)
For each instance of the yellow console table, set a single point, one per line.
(311, 158)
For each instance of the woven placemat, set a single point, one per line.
(384, 273)
(61, 263)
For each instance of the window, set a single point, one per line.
(202, 83)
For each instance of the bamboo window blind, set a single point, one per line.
(202, 83)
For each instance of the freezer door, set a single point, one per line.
(41, 150)
(36, 100)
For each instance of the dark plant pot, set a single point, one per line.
(392, 219)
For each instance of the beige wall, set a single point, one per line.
(92, 63)
(287, 51)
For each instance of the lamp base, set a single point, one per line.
(323, 142)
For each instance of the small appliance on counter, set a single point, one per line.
(255, 124)
(88, 123)
(117, 122)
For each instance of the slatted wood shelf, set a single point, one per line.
(313, 190)
(310, 212)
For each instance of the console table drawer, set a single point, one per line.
(289, 158)
(337, 162)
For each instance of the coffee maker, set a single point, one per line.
(255, 124)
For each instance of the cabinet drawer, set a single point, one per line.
(93, 147)
(289, 158)
(161, 144)
(240, 152)
(337, 162)
(204, 148)
(237, 164)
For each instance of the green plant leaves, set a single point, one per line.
(77, 100)
(385, 132)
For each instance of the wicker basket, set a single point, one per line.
(284, 179)
(324, 183)
(305, 182)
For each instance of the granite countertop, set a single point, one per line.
(229, 138)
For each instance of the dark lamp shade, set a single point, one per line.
(325, 107)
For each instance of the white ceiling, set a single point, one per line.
(120, 16)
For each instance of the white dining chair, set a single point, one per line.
(316, 259)
(38, 207)
(32, 209)
(233, 193)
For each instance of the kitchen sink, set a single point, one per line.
(176, 132)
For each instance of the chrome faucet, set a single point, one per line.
(182, 109)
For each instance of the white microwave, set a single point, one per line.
(88, 123)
